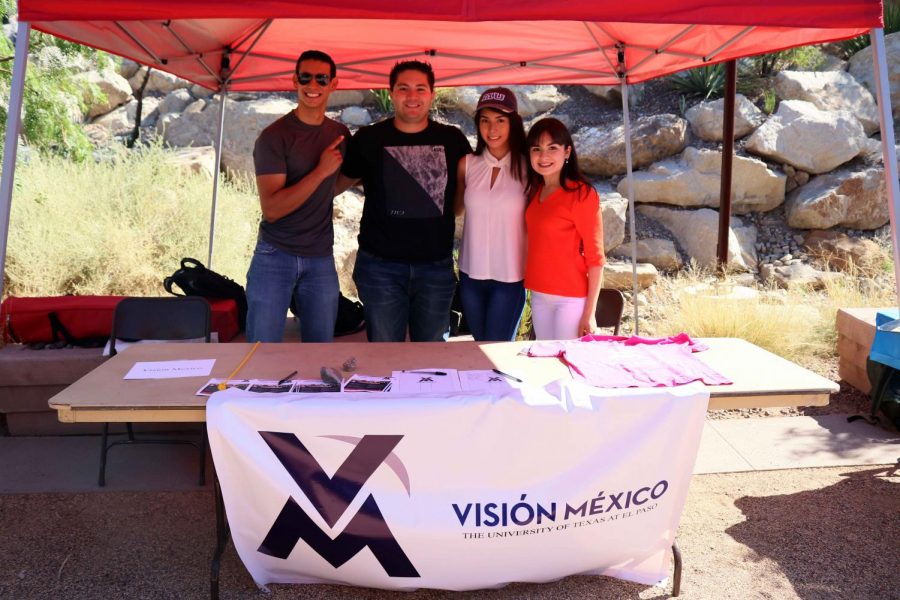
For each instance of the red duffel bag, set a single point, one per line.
(84, 318)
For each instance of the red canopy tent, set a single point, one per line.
(252, 45)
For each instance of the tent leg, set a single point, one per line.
(13, 128)
(215, 197)
(631, 214)
(727, 162)
(888, 149)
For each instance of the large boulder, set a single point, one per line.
(356, 116)
(160, 82)
(843, 253)
(706, 118)
(113, 86)
(127, 68)
(697, 232)
(121, 120)
(856, 199)
(339, 98)
(175, 101)
(614, 208)
(660, 253)
(619, 276)
(201, 160)
(149, 111)
(797, 275)
(601, 151)
(694, 179)
(608, 93)
(244, 122)
(862, 69)
(810, 139)
(830, 90)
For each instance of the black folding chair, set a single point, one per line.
(610, 305)
(171, 319)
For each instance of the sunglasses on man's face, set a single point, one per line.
(321, 78)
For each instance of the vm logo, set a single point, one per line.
(331, 496)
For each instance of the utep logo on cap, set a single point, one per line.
(332, 496)
(498, 96)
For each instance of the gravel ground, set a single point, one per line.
(807, 534)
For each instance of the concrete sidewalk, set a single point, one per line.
(70, 463)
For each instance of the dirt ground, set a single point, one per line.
(807, 534)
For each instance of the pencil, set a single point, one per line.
(222, 385)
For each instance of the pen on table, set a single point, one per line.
(425, 372)
(223, 385)
(287, 378)
(507, 375)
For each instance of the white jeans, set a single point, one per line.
(556, 317)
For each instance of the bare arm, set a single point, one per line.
(459, 204)
(343, 184)
(277, 201)
(588, 322)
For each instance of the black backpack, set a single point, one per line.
(885, 391)
(194, 279)
(350, 315)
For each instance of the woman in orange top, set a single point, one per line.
(564, 264)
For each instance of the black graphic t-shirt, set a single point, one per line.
(409, 180)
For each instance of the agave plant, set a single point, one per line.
(702, 82)
(383, 100)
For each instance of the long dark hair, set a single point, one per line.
(517, 147)
(559, 134)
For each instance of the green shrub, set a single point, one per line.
(51, 94)
(120, 226)
(802, 58)
(769, 101)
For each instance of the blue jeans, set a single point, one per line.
(274, 276)
(398, 294)
(492, 308)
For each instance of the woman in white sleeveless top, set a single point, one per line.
(491, 191)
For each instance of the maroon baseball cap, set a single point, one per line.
(498, 98)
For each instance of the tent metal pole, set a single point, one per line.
(888, 149)
(727, 164)
(215, 196)
(11, 144)
(631, 214)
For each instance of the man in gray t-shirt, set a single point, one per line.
(297, 159)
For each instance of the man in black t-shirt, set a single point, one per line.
(297, 160)
(404, 267)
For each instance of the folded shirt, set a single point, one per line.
(620, 362)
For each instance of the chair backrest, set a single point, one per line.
(610, 305)
(184, 318)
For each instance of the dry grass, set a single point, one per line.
(121, 226)
(797, 323)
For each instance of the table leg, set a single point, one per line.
(676, 577)
(222, 535)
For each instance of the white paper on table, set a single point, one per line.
(486, 381)
(171, 369)
(368, 383)
(212, 386)
(425, 381)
